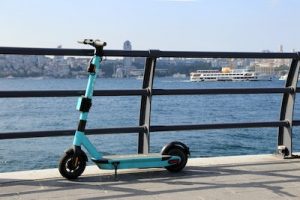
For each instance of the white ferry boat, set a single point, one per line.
(227, 75)
(179, 76)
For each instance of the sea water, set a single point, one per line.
(33, 114)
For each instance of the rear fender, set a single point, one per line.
(174, 144)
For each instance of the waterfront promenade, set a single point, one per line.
(236, 177)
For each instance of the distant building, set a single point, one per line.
(282, 62)
(281, 48)
(220, 62)
(59, 58)
(127, 61)
(265, 68)
(119, 73)
(127, 69)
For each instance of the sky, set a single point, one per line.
(189, 25)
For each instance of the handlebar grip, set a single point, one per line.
(99, 43)
(86, 41)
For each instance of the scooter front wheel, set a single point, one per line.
(71, 167)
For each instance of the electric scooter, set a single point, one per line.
(72, 164)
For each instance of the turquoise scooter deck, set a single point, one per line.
(136, 161)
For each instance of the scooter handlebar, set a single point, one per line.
(94, 43)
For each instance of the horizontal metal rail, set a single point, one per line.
(123, 130)
(56, 133)
(70, 93)
(296, 122)
(190, 54)
(140, 92)
(219, 126)
(46, 51)
(220, 91)
(150, 53)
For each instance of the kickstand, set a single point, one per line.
(116, 164)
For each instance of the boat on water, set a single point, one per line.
(140, 77)
(227, 74)
(179, 76)
(284, 77)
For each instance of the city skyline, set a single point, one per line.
(191, 25)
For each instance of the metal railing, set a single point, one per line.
(284, 124)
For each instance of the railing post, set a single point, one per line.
(287, 108)
(145, 111)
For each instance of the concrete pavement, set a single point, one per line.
(235, 177)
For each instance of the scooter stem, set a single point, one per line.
(85, 102)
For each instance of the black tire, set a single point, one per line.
(68, 168)
(176, 151)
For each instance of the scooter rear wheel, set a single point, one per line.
(175, 151)
(71, 167)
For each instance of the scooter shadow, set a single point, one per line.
(148, 174)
